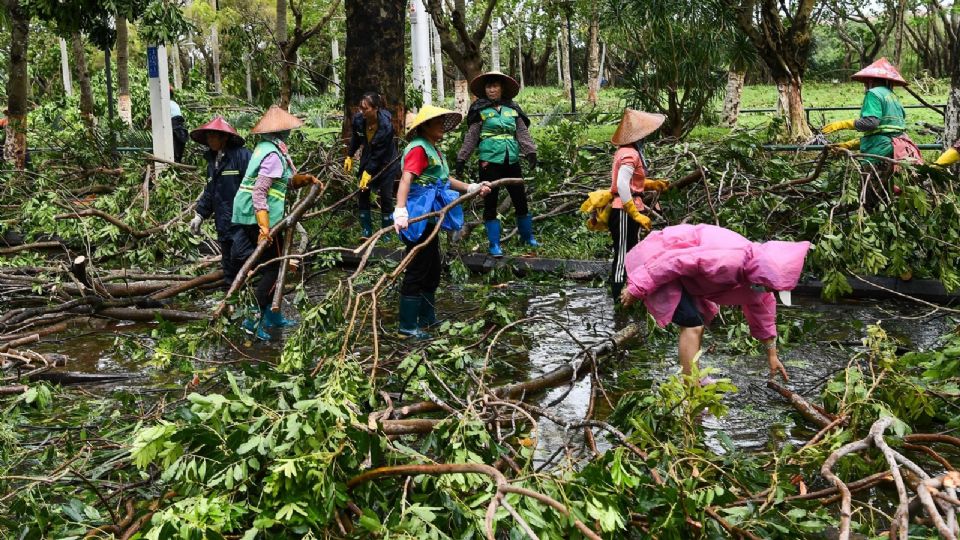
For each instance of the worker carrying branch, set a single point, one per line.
(882, 119)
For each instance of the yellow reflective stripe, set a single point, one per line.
(229, 173)
(498, 136)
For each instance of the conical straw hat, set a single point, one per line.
(276, 119)
(510, 87)
(429, 112)
(217, 124)
(636, 125)
(881, 69)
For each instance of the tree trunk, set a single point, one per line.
(593, 56)
(335, 59)
(175, 67)
(83, 79)
(790, 106)
(65, 68)
(560, 57)
(286, 65)
(731, 100)
(123, 73)
(437, 62)
(951, 132)
(383, 66)
(495, 45)
(567, 73)
(248, 78)
(520, 58)
(461, 86)
(215, 49)
(18, 84)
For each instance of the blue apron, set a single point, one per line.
(423, 199)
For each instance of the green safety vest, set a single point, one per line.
(498, 135)
(243, 212)
(436, 164)
(882, 103)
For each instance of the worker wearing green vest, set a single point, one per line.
(425, 187)
(259, 205)
(498, 126)
(882, 119)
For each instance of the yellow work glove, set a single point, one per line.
(263, 220)
(631, 209)
(348, 165)
(837, 126)
(300, 180)
(948, 158)
(652, 184)
(364, 180)
(852, 144)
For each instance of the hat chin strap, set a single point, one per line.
(785, 297)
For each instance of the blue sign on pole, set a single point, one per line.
(153, 64)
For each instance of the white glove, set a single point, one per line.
(400, 218)
(472, 187)
(195, 224)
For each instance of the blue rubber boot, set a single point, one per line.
(253, 326)
(525, 228)
(428, 310)
(366, 224)
(409, 313)
(493, 235)
(275, 319)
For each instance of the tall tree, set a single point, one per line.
(124, 107)
(462, 46)
(215, 49)
(743, 56)
(83, 78)
(383, 67)
(782, 34)
(288, 45)
(593, 54)
(951, 132)
(18, 84)
(864, 25)
(682, 59)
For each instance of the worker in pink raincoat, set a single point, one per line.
(683, 273)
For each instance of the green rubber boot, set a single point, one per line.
(407, 318)
(428, 310)
(366, 224)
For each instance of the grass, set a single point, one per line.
(545, 99)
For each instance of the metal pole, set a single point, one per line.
(573, 86)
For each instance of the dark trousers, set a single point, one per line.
(384, 188)
(180, 137)
(227, 262)
(423, 272)
(518, 193)
(244, 243)
(626, 234)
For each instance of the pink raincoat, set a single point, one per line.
(717, 267)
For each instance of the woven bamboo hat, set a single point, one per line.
(220, 125)
(429, 112)
(479, 83)
(275, 120)
(881, 69)
(636, 125)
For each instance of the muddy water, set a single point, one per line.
(756, 415)
(830, 334)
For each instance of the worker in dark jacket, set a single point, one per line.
(227, 161)
(379, 167)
